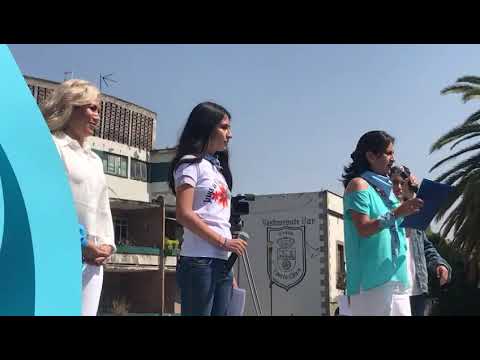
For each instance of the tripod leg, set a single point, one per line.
(247, 259)
(250, 284)
(254, 287)
(271, 278)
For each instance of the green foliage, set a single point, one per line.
(172, 247)
(461, 296)
(462, 209)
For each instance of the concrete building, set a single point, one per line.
(296, 254)
(336, 248)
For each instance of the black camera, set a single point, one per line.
(240, 206)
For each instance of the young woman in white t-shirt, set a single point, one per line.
(200, 177)
(72, 114)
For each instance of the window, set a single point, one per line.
(340, 267)
(159, 172)
(116, 122)
(103, 157)
(121, 230)
(138, 170)
(141, 131)
(113, 164)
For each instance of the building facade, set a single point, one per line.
(295, 254)
(140, 279)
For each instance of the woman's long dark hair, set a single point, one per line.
(374, 141)
(195, 137)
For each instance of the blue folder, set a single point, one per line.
(434, 195)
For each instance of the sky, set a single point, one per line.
(297, 110)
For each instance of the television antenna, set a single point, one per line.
(105, 79)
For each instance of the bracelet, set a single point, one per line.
(387, 220)
(224, 245)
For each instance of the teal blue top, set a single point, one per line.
(369, 259)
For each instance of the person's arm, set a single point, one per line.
(189, 219)
(108, 237)
(105, 230)
(358, 206)
(359, 210)
(435, 261)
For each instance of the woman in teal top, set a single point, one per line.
(374, 241)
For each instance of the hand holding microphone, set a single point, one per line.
(236, 245)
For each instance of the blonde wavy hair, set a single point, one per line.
(58, 107)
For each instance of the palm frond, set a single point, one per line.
(472, 94)
(463, 165)
(465, 217)
(460, 190)
(469, 79)
(472, 118)
(465, 234)
(461, 175)
(451, 200)
(452, 220)
(458, 153)
(457, 88)
(465, 139)
(454, 134)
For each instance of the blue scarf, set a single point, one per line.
(383, 186)
(213, 160)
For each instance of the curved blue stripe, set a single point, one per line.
(16, 254)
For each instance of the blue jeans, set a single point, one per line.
(418, 304)
(205, 286)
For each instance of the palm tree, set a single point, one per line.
(461, 297)
(464, 218)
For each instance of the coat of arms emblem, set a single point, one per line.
(286, 260)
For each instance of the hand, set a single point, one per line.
(442, 274)
(234, 283)
(96, 255)
(236, 245)
(106, 248)
(413, 180)
(101, 259)
(409, 207)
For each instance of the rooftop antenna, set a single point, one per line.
(105, 79)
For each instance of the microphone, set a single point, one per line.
(233, 257)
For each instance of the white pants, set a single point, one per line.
(92, 280)
(386, 300)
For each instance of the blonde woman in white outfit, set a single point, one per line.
(72, 115)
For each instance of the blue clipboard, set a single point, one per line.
(434, 195)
